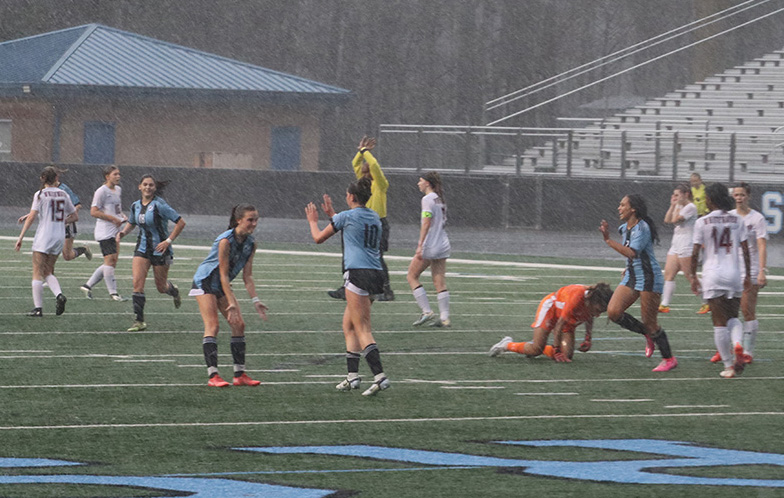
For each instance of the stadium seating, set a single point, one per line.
(728, 124)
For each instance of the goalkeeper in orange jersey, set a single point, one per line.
(560, 313)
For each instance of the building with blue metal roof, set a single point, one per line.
(98, 95)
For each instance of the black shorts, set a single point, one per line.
(211, 285)
(108, 246)
(371, 281)
(162, 260)
(70, 230)
(384, 246)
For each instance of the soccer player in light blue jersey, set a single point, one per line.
(642, 278)
(152, 215)
(231, 253)
(364, 277)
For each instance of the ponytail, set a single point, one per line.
(159, 184)
(360, 189)
(238, 212)
(434, 179)
(641, 209)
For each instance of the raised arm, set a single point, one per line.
(628, 252)
(319, 236)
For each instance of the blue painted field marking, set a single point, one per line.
(199, 487)
(623, 471)
(12, 463)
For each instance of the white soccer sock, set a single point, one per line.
(750, 330)
(54, 285)
(420, 295)
(38, 293)
(669, 290)
(736, 331)
(721, 337)
(108, 276)
(96, 277)
(443, 305)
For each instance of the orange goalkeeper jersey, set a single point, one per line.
(567, 302)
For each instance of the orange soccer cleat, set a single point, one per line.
(217, 381)
(245, 380)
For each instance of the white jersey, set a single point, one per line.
(436, 244)
(683, 234)
(756, 228)
(53, 206)
(720, 234)
(107, 201)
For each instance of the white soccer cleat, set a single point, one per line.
(118, 298)
(728, 373)
(424, 318)
(500, 347)
(88, 292)
(376, 387)
(348, 385)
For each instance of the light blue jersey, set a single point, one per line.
(207, 275)
(643, 272)
(153, 222)
(361, 229)
(71, 194)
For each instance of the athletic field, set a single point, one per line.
(89, 410)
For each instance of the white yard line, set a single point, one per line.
(745, 378)
(365, 422)
(389, 257)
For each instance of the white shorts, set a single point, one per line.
(714, 286)
(681, 247)
(48, 245)
(714, 293)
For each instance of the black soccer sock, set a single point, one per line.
(238, 354)
(210, 347)
(385, 271)
(352, 362)
(660, 338)
(170, 290)
(373, 358)
(630, 323)
(138, 305)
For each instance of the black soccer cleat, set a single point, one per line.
(60, 305)
(339, 293)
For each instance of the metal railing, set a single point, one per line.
(669, 149)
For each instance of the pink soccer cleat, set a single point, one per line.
(666, 365)
(650, 347)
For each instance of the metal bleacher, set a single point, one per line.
(729, 124)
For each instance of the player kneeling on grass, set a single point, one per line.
(231, 252)
(560, 313)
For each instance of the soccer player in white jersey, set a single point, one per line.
(107, 209)
(757, 233)
(682, 213)
(721, 235)
(432, 251)
(55, 209)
